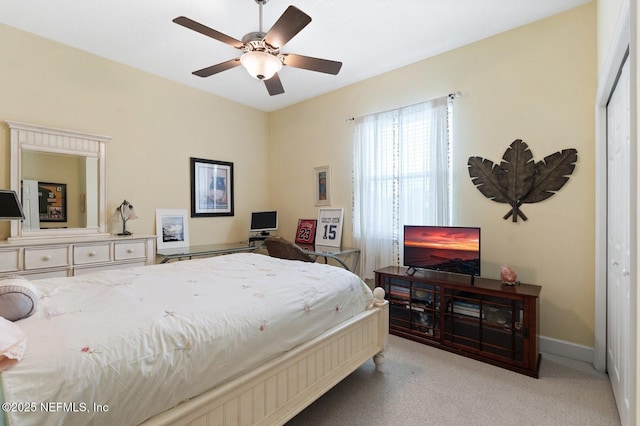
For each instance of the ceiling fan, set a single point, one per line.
(262, 57)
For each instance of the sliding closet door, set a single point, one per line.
(619, 353)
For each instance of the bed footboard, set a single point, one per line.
(278, 390)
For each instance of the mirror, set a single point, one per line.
(55, 188)
(60, 177)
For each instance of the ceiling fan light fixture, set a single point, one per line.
(260, 65)
(261, 50)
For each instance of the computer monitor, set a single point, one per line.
(264, 222)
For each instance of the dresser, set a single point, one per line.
(76, 256)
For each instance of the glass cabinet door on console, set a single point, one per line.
(487, 325)
(479, 318)
(414, 307)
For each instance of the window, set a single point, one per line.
(401, 176)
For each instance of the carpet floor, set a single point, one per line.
(422, 385)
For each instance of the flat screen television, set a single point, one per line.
(10, 207)
(453, 249)
(263, 222)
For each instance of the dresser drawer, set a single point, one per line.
(133, 250)
(95, 253)
(48, 257)
(48, 274)
(110, 267)
(10, 260)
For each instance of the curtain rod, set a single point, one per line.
(451, 97)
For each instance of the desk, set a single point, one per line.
(208, 250)
(335, 253)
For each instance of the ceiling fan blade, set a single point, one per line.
(290, 23)
(203, 29)
(312, 64)
(215, 69)
(274, 85)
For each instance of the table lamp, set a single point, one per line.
(125, 212)
(10, 207)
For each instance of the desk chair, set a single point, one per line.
(284, 249)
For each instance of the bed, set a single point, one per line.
(235, 339)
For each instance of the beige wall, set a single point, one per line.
(156, 125)
(536, 83)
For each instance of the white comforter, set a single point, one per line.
(118, 347)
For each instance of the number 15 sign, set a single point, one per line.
(329, 229)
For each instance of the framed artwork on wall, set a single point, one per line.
(306, 232)
(329, 232)
(322, 185)
(211, 188)
(52, 200)
(172, 228)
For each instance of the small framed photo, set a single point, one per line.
(211, 188)
(322, 184)
(172, 228)
(329, 232)
(52, 201)
(306, 232)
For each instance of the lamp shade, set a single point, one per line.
(10, 207)
(260, 65)
(127, 211)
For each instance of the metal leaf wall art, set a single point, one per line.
(518, 180)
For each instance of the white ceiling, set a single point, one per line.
(369, 37)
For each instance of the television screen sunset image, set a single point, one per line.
(443, 248)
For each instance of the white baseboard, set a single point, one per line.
(566, 349)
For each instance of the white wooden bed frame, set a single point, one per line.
(279, 389)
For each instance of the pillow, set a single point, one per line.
(12, 344)
(18, 298)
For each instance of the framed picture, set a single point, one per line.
(306, 232)
(52, 201)
(211, 188)
(329, 232)
(172, 228)
(322, 184)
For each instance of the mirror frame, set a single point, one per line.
(33, 137)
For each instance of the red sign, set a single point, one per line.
(306, 232)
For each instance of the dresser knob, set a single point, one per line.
(92, 253)
(130, 250)
(46, 258)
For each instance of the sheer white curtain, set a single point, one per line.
(401, 176)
